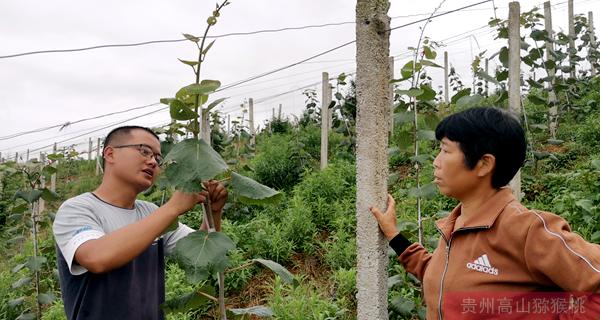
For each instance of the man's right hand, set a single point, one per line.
(181, 202)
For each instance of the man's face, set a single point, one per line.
(131, 165)
(452, 176)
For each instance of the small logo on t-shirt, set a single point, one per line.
(482, 264)
(82, 229)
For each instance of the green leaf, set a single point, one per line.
(469, 101)
(55, 156)
(504, 56)
(596, 237)
(46, 298)
(189, 63)
(430, 64)
(258, 311)
(35, 263)
(408, 69)
(404, 117)
(166, 101)
(421, 159)
(429, 54)
(596, 164)
(460, 94)
(503, 96)
(49, 170)
(191, 162)
(21, 282)
(431, 120)
(203, 250)
(20, 208)
(426, 135)
(208, 47)
(26, 316)
(405, 140)
(30, 196)
(18, 267)
(189, 301)
(408, 226)
(555, 142)
(537, 100)
(16, 302)
(180, 111)
(282, 272)
(483, 75)
(502, 75)
(585, 204)
(535, 84)
(49, 195)
(252, 192)
(539, 35)
(403, 306)
(394, 280)
(191, 37)
(203, 88)
(214, 104)
(428, 93)
(427, 191)
(414, 92)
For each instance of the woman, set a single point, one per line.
(495, 256)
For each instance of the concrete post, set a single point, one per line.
(324, 119)
(279, 113)
(391, 89)
(372, 92)
(592, 41)
(41, 202)
(91, 146)
(553, 109)
(487, 83)
(27, 157)
(514, 72)
(98, 167)
(16, 157)
(446, 81)
(53, 176)
(228, 124)
(572, 49)
(251, 121)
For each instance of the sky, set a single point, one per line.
(45, 90)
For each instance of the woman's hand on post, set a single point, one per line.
(387, 220)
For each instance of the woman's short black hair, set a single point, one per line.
(480, 131)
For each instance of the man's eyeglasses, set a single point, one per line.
(144, 150)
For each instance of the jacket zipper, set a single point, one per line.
(448, 243)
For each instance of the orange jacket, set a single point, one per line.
(504, 251)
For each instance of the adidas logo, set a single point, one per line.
(482, 264)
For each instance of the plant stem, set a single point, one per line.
(245, 265)
(35, 250)
(221, 276)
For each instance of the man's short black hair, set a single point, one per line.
(487, 130)
(120, 133)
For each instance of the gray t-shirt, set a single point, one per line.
(133, 291)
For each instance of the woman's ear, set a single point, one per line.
(486, 165)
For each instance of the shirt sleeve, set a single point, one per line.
(171, 238)
(555, 255)
(75, 223)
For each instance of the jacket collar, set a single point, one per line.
(485, 218)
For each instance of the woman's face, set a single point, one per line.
(452, 176)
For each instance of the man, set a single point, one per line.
(110, 246)
(492, 250)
